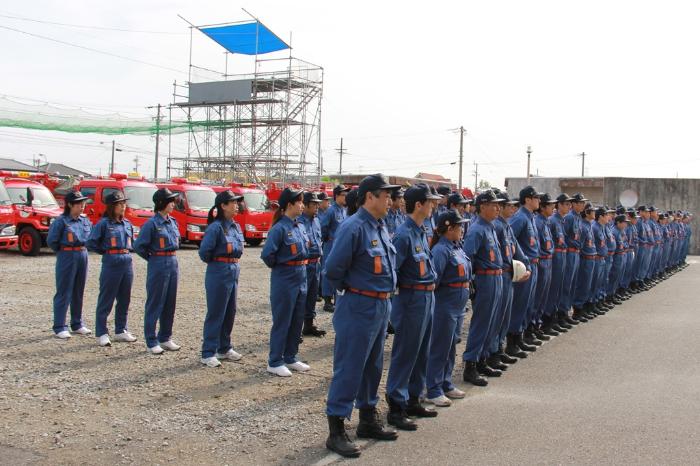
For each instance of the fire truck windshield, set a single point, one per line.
(140, 197)
(200, 199)
(255, 202)
(4, 195)
(41, 196)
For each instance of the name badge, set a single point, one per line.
(374, 242)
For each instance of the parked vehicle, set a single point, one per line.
(8, 230)
(255, 216)
(192, 207)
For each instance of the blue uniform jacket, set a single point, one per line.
(414, 263)
(545, 235)
(510, 249)
(451, 263)
(286, 241)
(600, 239)
(363, 256)
(330, 221)
(572, 229)
(394, 219)
(556, 228)
(588, 246)
(67, 231)
(111, 234)
(158, 234)
(313, 232)
(482, 247)
(525, 231)
(222, 238)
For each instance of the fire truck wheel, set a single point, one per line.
(29, 241)
(254, 241)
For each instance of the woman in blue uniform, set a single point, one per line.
(67, 237)
(112, 238)
(286, 253)
(157, 242)
(221, 249)
(453, 270)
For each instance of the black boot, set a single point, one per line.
(568, 320)
(512, 348)
(494, 362)
(311, 329)
(541, 334)
(397, 416)
(338, 440)
(389, 329)
(506, 358)
(487, 371)
(472, 376)
(578, 315)
(371, 426)
(520, 341)
(559, 326)
(328, 304)
(416, 409)
(530, 338)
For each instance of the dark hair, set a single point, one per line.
(280, 211)
(66, 208)
(161, 205)
(598, 215)
(219, 213)
(438, 233)
(353, 205)
(410, 205)
(109, 213)
(375, 193)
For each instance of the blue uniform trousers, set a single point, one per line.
(501, 317)
(221, 285)
(313, 279)
(326, 288)
(642, 263)
(489, 289)
(507, 305)
(630, 266)
(544, 280)
(584, 282)
(358, 354)
(617, 271)
(598, 280)
(450, 304)
(606, 275)
(556, 284)
(573, 260)
(288, 300)
(116, 278)
(523, 299)
(161, 292)
(71, 273)
(412, 318)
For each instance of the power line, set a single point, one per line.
(85, 26)
(135, 60)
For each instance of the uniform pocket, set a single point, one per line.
(421, 260)
(376, 255)
(229, 248)
(492, 255)
(113, 242)
(161, 242)
(70, 237)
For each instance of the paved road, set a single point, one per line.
(621, 389)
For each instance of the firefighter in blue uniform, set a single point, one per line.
(411, 312)
(362, 266)
(112, 238)
(617, 271)
(587, 267)
(646, 243)
(525, 232)
(572, 229)
(510, 249)
(542, 321)
(330, 222)
(599, 227)
(632, 255)
(286, 253)
(396, 215)
(607, 294)
(67, 236)
(484, 252)
(442, 203)
(453, 271)
(429, 223)
(221, 249)
(158, 241)
(559, 317)
(313, 269)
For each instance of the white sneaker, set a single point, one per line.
(455, 394)
(155, 350)
(441, 401)
(170, 345)
(103, 340)
(63, 335)
(299, 366)
(281, 371)
(125, 336)
(231, 355)
(83, 331)
(211, 361)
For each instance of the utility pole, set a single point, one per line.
(341, 151)
(136, 164)
(476, 177)
(529, 152)
(461, 154)
(583, 163)
(111, 165)
(155, 165)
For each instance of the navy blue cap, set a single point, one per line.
(444, 190)
(114, 197)
(375, 182)
(310, 197)
(420, 193)
(456, 199)
(487, 196)
(289, 195)
(632, 213)
(164, 194)
(341, 188)
(547, 199)
(74, 197)
(449, 218)
(529, 191)
(578, 197)
(322, 196)
(620, 218)
(396, 194)
(226, 196)
(563, 197)
(642, 208)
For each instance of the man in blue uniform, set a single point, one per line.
(483, 249)
(397, 214)
(330, 221)
(525, 231)
(444, 193)
(601, 246)
(572, 229)
(411, 312)
(560, 320)
(632, 252)
(542, 320)
(312, 225)
(587, 267)
(363, 267)
(617, 271)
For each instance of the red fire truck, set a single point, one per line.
(255, 217)
(8, 238)
(139, 206)
(34, 208)
(192, 206)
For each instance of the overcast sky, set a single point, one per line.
(618, 80)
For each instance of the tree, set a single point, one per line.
(484, 185)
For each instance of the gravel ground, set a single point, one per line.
(73, 402)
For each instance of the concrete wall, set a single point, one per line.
(545, 185)
(663, 193)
